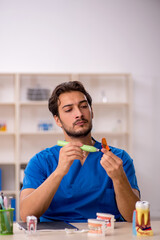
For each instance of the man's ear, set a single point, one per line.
(92, 113)
(57, 120)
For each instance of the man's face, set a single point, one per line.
(75, 114)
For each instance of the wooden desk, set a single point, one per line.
(122, 231)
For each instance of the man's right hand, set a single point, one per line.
(44, 194)
(67, 155)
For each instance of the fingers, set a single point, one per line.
(73, 151)
(111, 156)
(67, 155)
(112, 164)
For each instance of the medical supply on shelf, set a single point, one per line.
(38, 94)
(3, 127)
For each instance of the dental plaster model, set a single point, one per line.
(141, 219)
(108, 218)
(97, 227)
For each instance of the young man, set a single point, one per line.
(65, 183)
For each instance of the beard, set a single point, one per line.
(79, 133)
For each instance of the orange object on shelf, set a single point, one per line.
(3, 127)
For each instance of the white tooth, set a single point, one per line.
(142, 208)
(142, 205)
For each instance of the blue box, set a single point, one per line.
(13, 205)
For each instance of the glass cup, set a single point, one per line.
(6, 221)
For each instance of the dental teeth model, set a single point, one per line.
(141, 219)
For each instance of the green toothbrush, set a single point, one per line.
(86, 148)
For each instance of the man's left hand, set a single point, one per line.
(112, 164)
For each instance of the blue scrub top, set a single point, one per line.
(85, 190)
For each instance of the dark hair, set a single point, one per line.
(66, 87)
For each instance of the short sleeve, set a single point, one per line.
(130, 170)
(34, 174)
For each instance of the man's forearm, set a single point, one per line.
(36, 201)
(125, 197)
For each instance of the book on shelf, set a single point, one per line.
(13, 205)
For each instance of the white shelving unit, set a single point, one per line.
(112, 107)
(8, 138)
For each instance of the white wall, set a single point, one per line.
(95, 36)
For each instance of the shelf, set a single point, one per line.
(7, 163)
(111, 134)
(45, 103)
(110, 104)
(105, 74)
(61, 134)
(40, 133)
(7, 133)
(34, 103)
(7, 103)
(9, 193)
